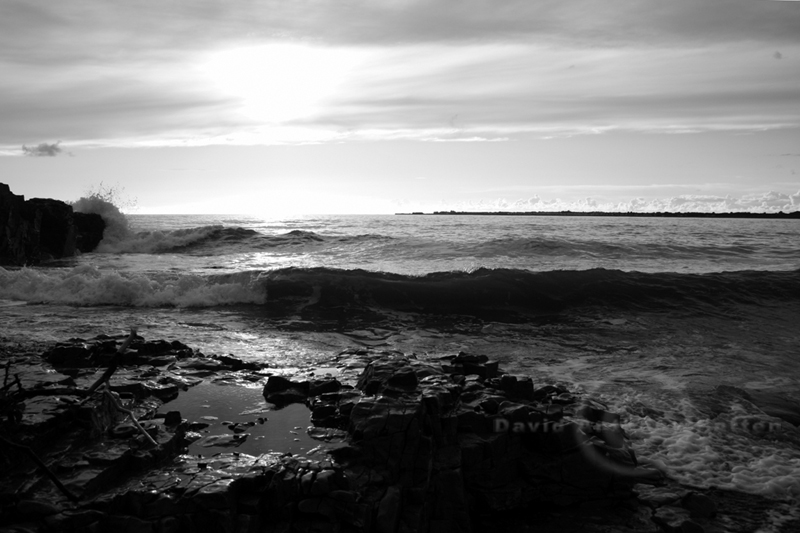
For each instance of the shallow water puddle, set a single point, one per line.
(239, 419)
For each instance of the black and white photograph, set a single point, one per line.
(400, 266)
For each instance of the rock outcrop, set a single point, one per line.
(89, 231)
(42, 229)
(18, 237)
(429, 445)
(439, 446)
(424, 446)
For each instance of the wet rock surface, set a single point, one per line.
(450, 444)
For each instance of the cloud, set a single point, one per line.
(89, 106)
(42, 150)
(499, 89)
(767, 202)
(111, 73)
(66, 31)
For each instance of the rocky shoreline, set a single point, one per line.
(404, 445)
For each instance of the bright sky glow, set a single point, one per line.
(280, 82)
(383, 106)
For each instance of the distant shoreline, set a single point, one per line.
(664, 214)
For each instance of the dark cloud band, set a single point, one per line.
(42, 150)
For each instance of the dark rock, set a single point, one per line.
(173, 418)
(612, 436)
(392, 371)
(471, 364)
(285, 397)
(36, 508)
(323, 411)
(472, 359)
(89, 230)
(141, 389)
(490, 405)
(42, 229)
(424, 453)
(280, 384)
(19, 241)
(543, 392)
(671, 519)
(74, 520)
(326, 434)
(523, 389)
(236, 364)
(699, 506)
(152, 347)
(484, 370)
(593, 414)
(690, 526)
(406, 379)
(657, 496)
(125, 524)
(178, 345)
(57, 235)
(508, 383)
(389, 511)
(71, 356)
(323, 386)
(123, 431)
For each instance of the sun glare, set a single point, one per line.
(281, 82)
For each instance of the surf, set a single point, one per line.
(482, 291)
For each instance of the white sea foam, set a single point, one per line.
(748, 453)
(780, 515)
(102, 203)
(87, 285)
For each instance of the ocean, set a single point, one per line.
(687, 327)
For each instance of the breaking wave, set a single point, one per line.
(219, 240)
(531, 292)
(88, 286)
(476, 292)
(102, 203)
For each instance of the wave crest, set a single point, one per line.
(482, 292)
(508, 292)
(117, 227)
(88, 286)
(205, 240)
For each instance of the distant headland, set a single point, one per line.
(660, 214)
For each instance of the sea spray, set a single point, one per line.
(104, 202)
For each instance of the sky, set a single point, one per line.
(379, 106)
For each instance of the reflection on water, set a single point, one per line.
(241, 415)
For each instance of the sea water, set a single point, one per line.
(676, 323)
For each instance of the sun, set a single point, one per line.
(280, 82)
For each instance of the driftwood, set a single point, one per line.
(57, 482)
(113, 364)
(6, 384)
(118, 406)
(101, 385)
(9, 400)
